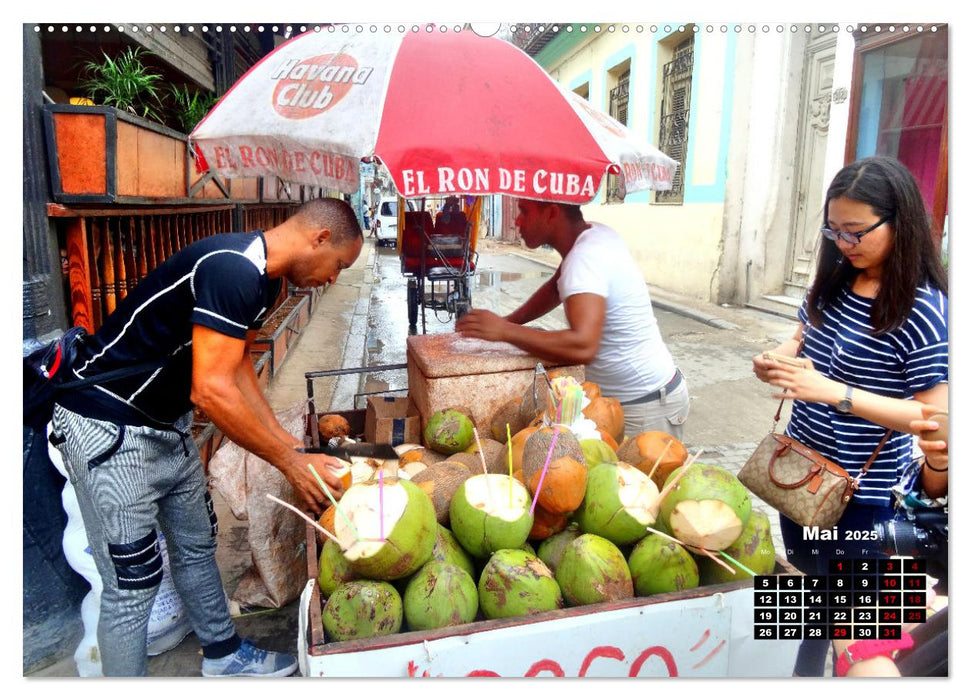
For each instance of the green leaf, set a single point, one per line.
(123, 82)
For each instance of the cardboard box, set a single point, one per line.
(446, 370)
(391, 420)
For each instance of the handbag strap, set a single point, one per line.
(883, 441)
(778, 411)
(873, 457)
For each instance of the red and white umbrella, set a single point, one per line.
(446, 112)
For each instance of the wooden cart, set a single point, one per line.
(701, 632)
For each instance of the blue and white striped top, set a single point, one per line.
(897, 364)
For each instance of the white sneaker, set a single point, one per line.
(249, 660)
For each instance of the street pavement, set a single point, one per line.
(361, 322)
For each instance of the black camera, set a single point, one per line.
(919, 532)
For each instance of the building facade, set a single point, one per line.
(760, 118)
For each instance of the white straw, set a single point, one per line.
(308, 519)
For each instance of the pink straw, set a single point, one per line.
(549, 456)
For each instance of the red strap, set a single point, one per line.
(870, 648)
(52, 370)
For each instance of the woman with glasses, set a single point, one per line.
(873, 330)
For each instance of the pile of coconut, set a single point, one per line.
(467, 527)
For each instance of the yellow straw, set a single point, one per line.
(478, 446)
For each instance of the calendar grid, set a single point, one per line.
(856, 599)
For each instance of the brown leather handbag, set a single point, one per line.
(799, 482)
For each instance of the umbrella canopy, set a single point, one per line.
(445, 112)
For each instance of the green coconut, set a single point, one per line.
(448, 551)
(551, 549)
(449, 430)
(593, 570)
(707, 508)
(484, 518)
(660, 565)
(515, 583)
(596, 452)
(753, 548)
(409, 528)
(440, 595)
(333, 569)
(620, 503)
(362, 610)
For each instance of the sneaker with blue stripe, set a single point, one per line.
(249, 660)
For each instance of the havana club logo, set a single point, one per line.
(308, 87)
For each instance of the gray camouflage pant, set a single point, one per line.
(130, 482)
(667, 414)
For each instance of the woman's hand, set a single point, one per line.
(787, 348)
(761, 367)
(803, 383)
(935, 451)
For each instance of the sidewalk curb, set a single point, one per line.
(660, 303)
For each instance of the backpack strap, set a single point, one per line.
(111, 375)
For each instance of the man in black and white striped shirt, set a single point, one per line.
(126, 442)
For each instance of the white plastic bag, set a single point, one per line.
(277, 538)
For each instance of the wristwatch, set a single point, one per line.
(845, 404)
(869, 649)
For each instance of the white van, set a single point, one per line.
(386, 221)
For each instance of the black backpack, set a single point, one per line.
(47, 371)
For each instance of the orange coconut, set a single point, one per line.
(546, 524)
(333, 425)
(608, 414)
(591, 390)
(643, 450)
(565, 482)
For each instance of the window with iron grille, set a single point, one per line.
(619, 97)
(675, 111)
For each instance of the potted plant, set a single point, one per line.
(190, 106)
(125, 83)
(118, 151)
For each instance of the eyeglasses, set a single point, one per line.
(853, 238)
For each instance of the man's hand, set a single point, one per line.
(226, 393)
(479, 323)
(307, 491)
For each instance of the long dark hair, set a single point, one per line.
(889, 188)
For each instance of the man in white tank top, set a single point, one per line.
(612, 330)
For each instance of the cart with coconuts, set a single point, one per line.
(501, 125)
(704, 631)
